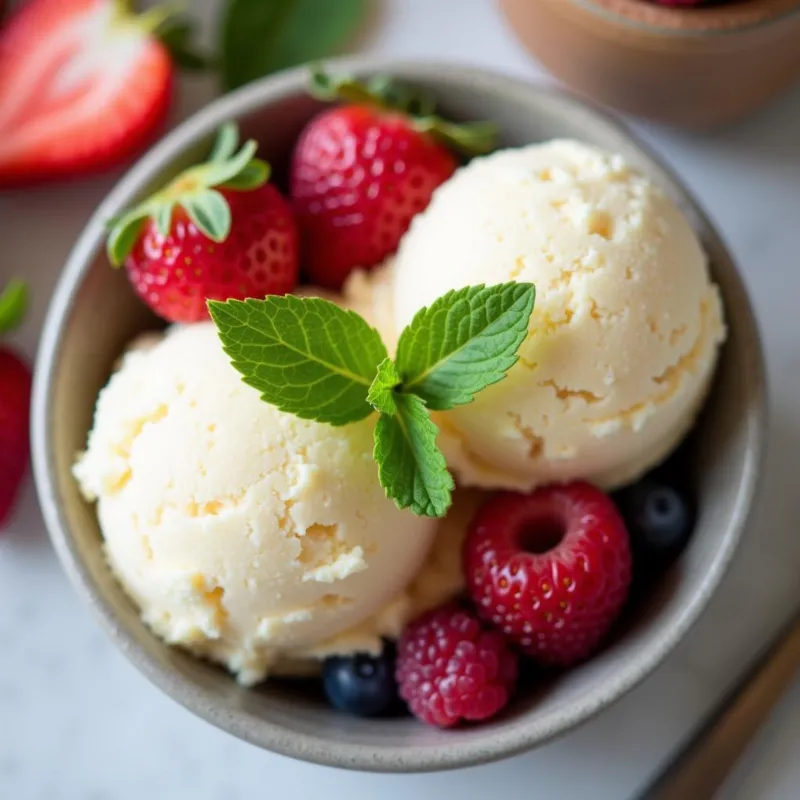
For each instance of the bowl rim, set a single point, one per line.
(272, 736)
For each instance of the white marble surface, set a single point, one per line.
(77, 721)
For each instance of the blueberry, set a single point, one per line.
(361, 684)
(659, 519)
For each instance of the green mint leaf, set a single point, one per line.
(210, 212)
(381, 393)
(259, 37)
(13, 304)
(411, 468)
(306, 356)
(463, 342)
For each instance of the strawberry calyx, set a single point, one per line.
(13, 305)
(196, 192)
(168, 23)
(419, 106)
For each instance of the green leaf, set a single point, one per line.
(464, 342)
(381, 392)
(469, 138)
(177, 35)
(259, 37)
(210, 212)
(255, 174)
(306, 356)
(225, 144)
(13, 304)
(411, 468)
(125, 233)
(217, 173)
(164, 217)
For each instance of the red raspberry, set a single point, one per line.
(449, 668)
(551, 569)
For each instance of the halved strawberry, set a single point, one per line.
(84, 84)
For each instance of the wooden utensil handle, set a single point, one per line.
(702, 766)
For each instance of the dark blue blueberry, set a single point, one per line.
(659, 519)
(360, 684)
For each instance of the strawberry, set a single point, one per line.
(84, 85)
(15, 395)
(218, 231)
(362, 170)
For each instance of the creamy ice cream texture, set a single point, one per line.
(624, 336)
(245, 534)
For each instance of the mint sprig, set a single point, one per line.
(311, 358)
(381, 394)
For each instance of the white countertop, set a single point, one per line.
(77, 721)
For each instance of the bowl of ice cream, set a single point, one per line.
(691, 64)
(216, 536)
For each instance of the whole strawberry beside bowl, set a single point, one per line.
(15, 393)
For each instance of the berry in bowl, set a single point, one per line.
(341, 517)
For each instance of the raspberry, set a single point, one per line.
(449, 668)
(551, 569)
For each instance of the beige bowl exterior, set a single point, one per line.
(633, 55)
(94, 313)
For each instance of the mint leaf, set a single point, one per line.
(381, 393)
(306, 356)
(262, 36)
(13, 304)
(463, 342)
(411, 468)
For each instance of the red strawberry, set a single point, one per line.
(15, 395)
(192, 242)
(361, 171)
(84, 85)
(449, 668)
(551, 569)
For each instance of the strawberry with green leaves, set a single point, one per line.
(217, 231)
(15, 398)
(362, 170)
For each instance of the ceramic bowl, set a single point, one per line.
(693, 67)
(94, 314)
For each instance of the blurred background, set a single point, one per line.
(77, 721)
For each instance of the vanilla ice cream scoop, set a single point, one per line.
(627, 324)
(243, 533)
